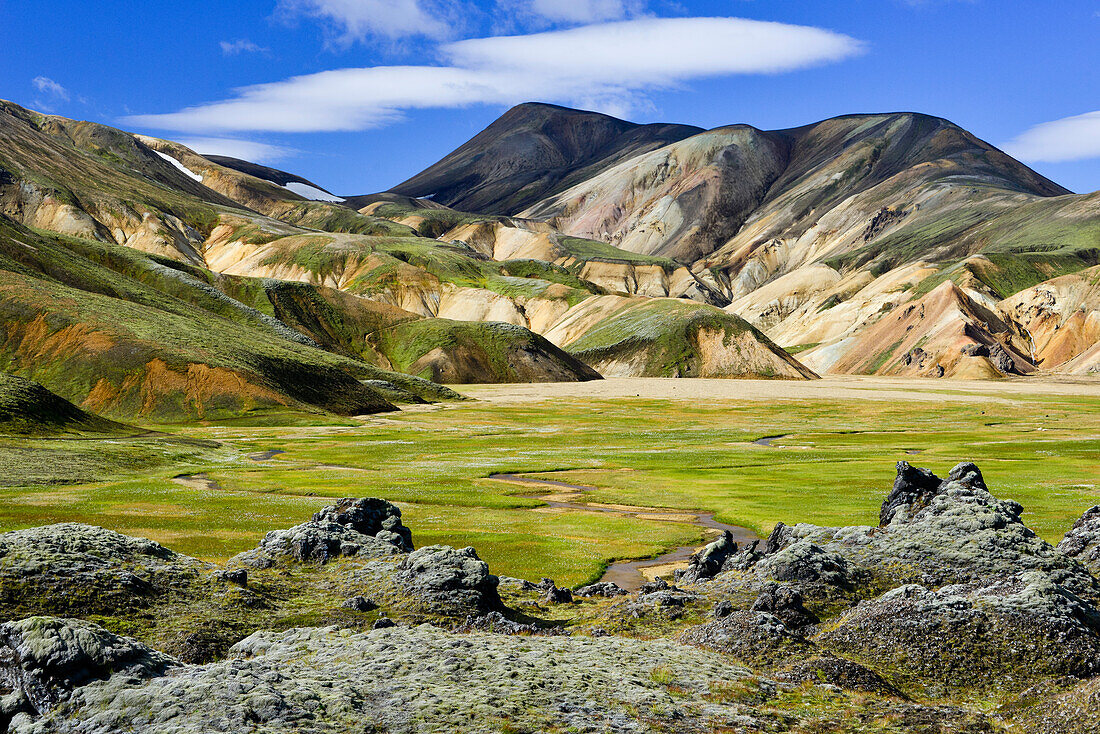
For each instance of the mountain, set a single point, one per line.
(531, 152)
(814, 234)
(143, 281)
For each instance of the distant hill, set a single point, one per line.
(28, 409)
(815, 233)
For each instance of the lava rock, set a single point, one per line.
(497, 623)
(43, 659)
(359, 604)
(955, 532)
(756, 637)
(556, 595)
(711, 560)
(75, 569)
(784, 602)
(913, 489)
(374, 517)
(238, 576)
(601, 588)
(990, 633)
(1082, 542)
(840, 672)
(383, 623)
(363, 528)
(443, 580)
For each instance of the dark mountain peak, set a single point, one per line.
(532, 151)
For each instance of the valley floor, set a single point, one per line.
(753, 453)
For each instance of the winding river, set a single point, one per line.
(629, 574)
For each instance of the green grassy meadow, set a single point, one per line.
(834, 465)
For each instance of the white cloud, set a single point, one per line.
(357, 20)
(578, 11)
(240, 46)
(49, 86)
(608, 66)
(248, 150)
(1069, 139)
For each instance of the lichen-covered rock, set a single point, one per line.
(754, 637)
(362, 528)
(44, 659)
(837, 671)
(709, 561)
(74, 568)
(955, 533)
(1083, 540)
(601, 588)
(805, 562)
(998, 633)
(411, 680)
(448, 581)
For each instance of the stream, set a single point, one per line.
(629, 574)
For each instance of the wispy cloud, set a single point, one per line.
(358, 20)
(1069, 139)
(575, 11)
(248, 150)
(240, 46)
(609, 66)
(48, 86)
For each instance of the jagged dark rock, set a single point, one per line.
(364, 528)
(237, 576)
(1082, 542)
(359, 604)
(784, 602)
(710, 561)
(556, 595)
(445, 580)
(374, 517)
(913, 488)
(952, 532)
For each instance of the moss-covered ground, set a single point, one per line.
(832, 466)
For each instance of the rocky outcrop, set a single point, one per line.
(785, 603)
(448, 581)
(395, 680)
(937, 532)
(711, 560)
(601, 588)
(998, 632)
(71, 568)
(754, 637)
(1083, 540)
(44, 659)
(363, 528)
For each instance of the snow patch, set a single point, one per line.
(312, 192)
(183, 169)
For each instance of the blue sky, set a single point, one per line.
(358, 95)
